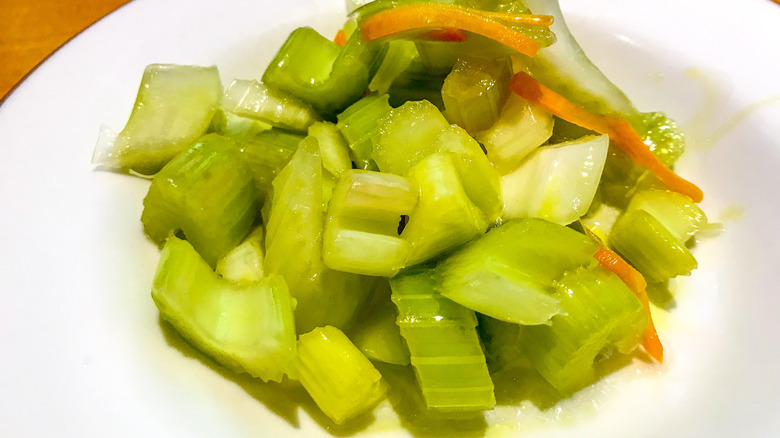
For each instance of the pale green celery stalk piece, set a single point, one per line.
(340, 379)
(267, 153)
(520, 129)
(174, 107)
(475, 91)
(444, 217)
(255, 100)
(444, 345)
(400, 54)
(675, 211)
(244, 263)
(334, 149)
(600, 313)
(652, 249)
(480, 179)
(377, 335)
(565, 68)
(407, 135)
(245, 327)
(508, 273)
(661, 135)
(237, 127)
(361, 233)
(293, 246)
(557, 182)
(208, 193)
(359, 124)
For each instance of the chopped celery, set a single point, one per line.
(207, 192)
(661, 134)
(246, 328)
(340, 379)
(237, 127)
(520, 129)
(359, 124)
(244, 263)
(333, 148)
(266, 154)
(653, 250)
(257, 101)
(444, 217)
(417, 82)
(322, 74)
(675, 211)
(475, 91)
(557, 182)
(444, 346)
(174, 107)
(438, 56)
(377, 335)
(600, 312)
(399, 56)
(508, 273)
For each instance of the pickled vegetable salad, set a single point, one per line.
(427, 190)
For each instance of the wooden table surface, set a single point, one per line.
(30, 30)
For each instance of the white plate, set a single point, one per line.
(83, 353)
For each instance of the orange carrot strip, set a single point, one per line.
(619, 130)
(438, 15)
(340, 38)
(634, 280)
(445, 35)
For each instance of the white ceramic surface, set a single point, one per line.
(82, 352)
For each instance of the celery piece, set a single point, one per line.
(244, 327)
(207, 192)
(479, 178)
(475, 91)
(500, 341)
(565, 68)
(652, 249)
(417, 82)
(174, 107)
(333, 148)
(438, 56)
(237, 127)
(294, 229)
(675, 211)
(557, 182)
(508, 273)
(255, 100)
(600, 312)
(520, 129)
(361, 233)
(444, 346)
(377, 335)
(407, 135)
(359, 124)
(444, 217)
(266, 154)
(563, 130)
(619, 178)
(340, 379)
(322, 74)
(244, 263)
(399, 56)
(661, 135)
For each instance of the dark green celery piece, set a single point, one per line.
(361, 233)
(246, 327)
(340, 379)
(654, 251)
(500, 341)
(267, 153)
(445, 216)
(207, 192)
(359, 124)
(438, 56)
(294, 229)
(319, 72)
(417, 82)
(619, 177)
(661, 134)
(475, 91)
(259, 102)
(174, 107)
(601, 312)
(444, 346)
(509, 272)
(376, 334)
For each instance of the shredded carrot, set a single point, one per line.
(340, 38)
(445, 35)
(634, 280)
(619, 130)
(447, 16)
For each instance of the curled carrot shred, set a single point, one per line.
(341, 38)
(636, 282)
(415, 17)
(619, 130)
